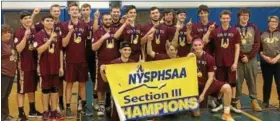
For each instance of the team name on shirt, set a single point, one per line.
(228, 34)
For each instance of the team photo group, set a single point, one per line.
(50, 55)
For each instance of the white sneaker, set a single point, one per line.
(235, 109)
(211, 102)
(101, 111)
(220, 107)
(80, 107)
(95, 104)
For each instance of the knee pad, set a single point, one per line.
(45, 91)
(53, 90)
(233, 84)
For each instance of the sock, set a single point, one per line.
(220, 101)
(20, 110)
(94, 96)
(84, 103)
(68, 106)
(32, 106)
(233, 102)
(227, 109)
(61, 100)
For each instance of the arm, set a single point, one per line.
(144, 39)
(206, 37)
(66, 39)
(36, 11)
(120, 30)
(95, 46)
(175, 37)
(44, 47)
(256, 45)
(149, 46)
(22, 43)
(95, 21)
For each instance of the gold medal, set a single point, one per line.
(224, 44)
(158, 40)
(182, 44)
(30, 47)
(135, 41)
(110, 45)
(243, 41)
(199, 74)
(182, 41)
(78, 40)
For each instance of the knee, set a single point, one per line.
(226, 88)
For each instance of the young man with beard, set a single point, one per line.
(270, 58)
(199, 29)
(248, 65)
(227, 48)
(207, 84)
(161, 33)
(106, 45)
(74, 33)
(51, 66)
(26, 65)
(180, 34)
(125, 50)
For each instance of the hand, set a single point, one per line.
(178, 25)
(27, 32)
(191, 55)
(107, 35)
(189, 25)
(274, 60)
(201, 98)
(266, 58)
(97, 14)
(212, 27)
(61, 72)
(234, 67)
(70, 27)
(53, 36)
(141, 60)
(161, 21)
(128, 21)
(245, 59)
(36, 11)
(102, 68)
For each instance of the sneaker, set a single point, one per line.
(80, 107)
(9, 118)
(196, 113)
(45, 115)
(234, 109)
(101, 111)
(69, 113)
(95, 104)
(35, 114)
(266, 105)
(255, 105)
(22, 117)
(220, 107)
(55, 115)
(238, 104)
(60, 107)
(211, 102)
(86, 111)
(227, 117)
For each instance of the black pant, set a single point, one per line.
(269, 71)
(6, 87)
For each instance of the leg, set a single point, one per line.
(267, 73)
(277, 79)
(68, 93)
(240, 79)
(6, 86)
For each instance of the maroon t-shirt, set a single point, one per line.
(27, 59)
(224, 56)
(198, 30)
(183, 47)
(75, 52)
(162, 32)
(119, 60)
(205, 64)
(133, 35)
(105, 52)
(116, 26)
(49, 62)
(159, 56)
(8, 59)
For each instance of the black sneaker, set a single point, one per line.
(265, 105)
(34, 114)
(61, 107)
(86, 111)
(22, 117)
(69, 113)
